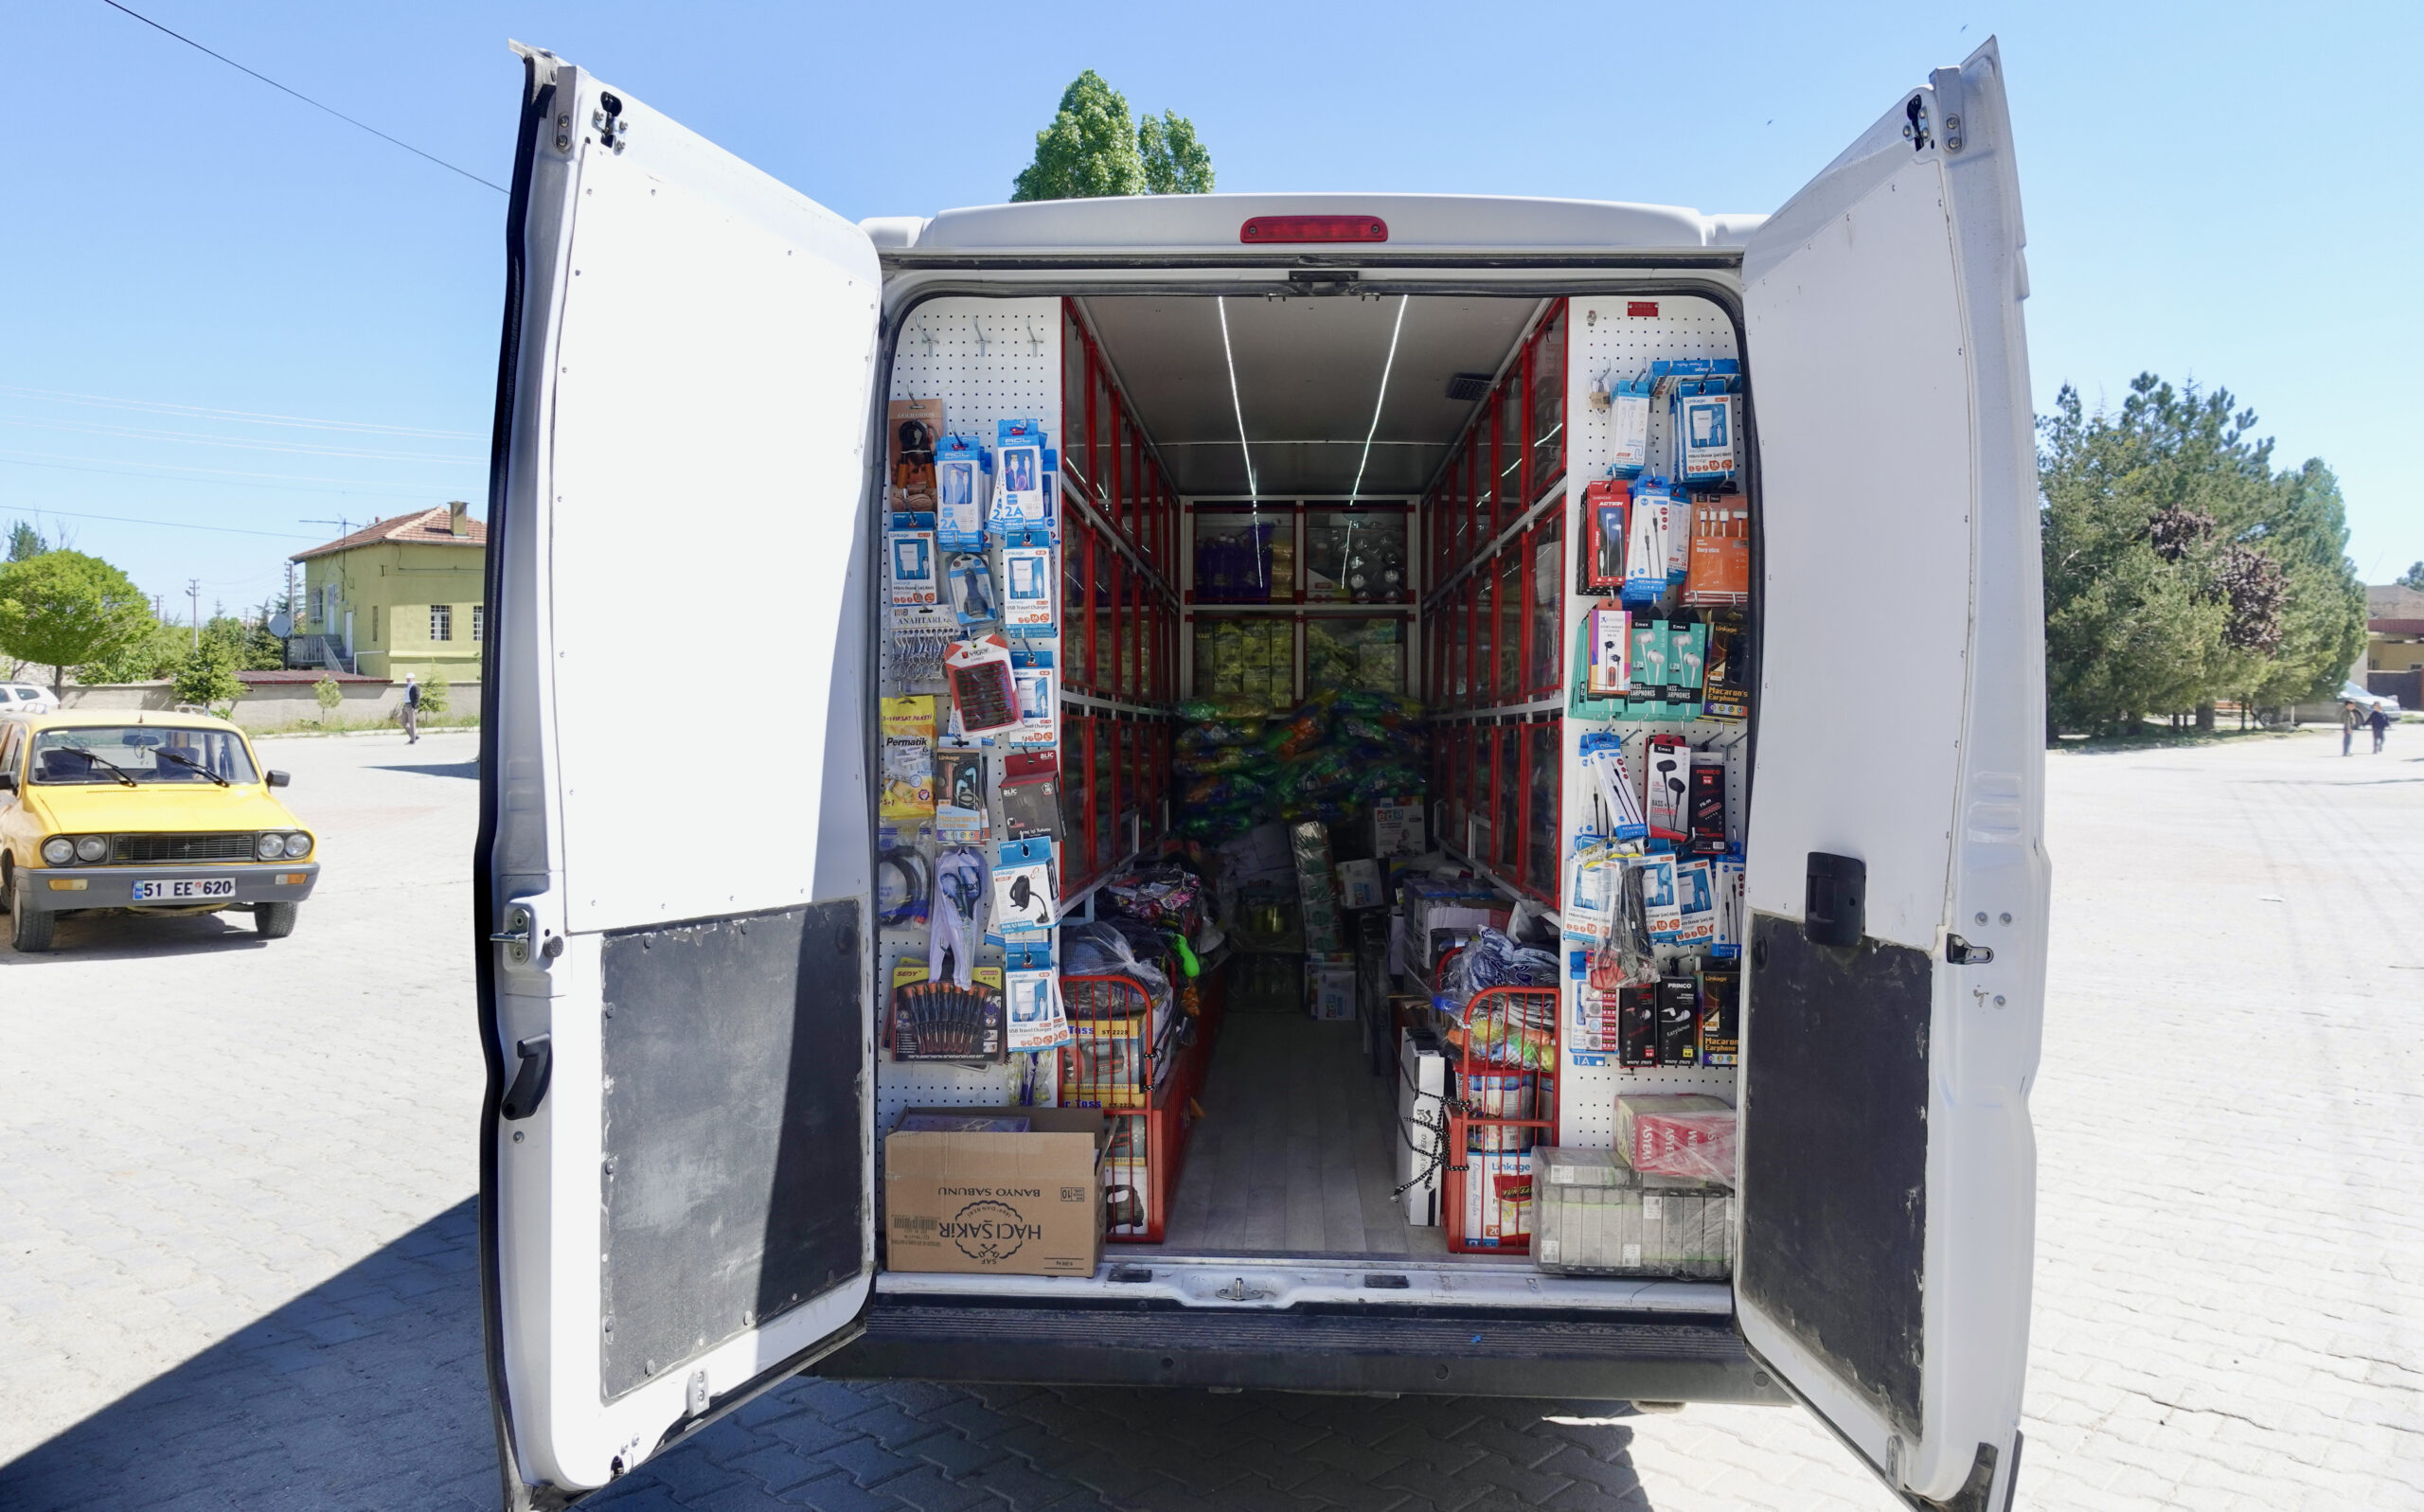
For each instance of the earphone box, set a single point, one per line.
(995, 1191)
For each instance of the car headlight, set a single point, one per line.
(269, 847)
(298, 846)
(92, 847)
(59, 850)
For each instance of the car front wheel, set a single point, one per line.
(275, 921)
(29, 930)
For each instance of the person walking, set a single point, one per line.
(412, 709)
(2347, 727)
(2380, 722)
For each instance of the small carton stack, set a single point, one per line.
(1593, 1215)
(1316, 893)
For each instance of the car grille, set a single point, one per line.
(141, 850)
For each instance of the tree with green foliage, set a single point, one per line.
(25, 540)
(157, 652)
(328, 693)
(2412, 578)
(434, 696)
(62, 609)
(2180, 568)
(1095, 149)
(208, 678)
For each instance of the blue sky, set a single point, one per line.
(269, 319)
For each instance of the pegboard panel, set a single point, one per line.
(987, 360)
(1608, 343)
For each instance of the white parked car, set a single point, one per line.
(27, 698)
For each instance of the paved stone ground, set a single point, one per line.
(235, 1245)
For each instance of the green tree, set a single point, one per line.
(25, 540)
(208, 678)
(327, 693)
(1094, 147)
(62, 609)
(2180, 568)
(434, 696)
(2413, 577)
(1176, 161)
(157, 652)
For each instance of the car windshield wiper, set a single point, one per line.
(166, 754)
(116, 771)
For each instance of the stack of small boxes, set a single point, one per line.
(1659, 1204)
(1330, 966)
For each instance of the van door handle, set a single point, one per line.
(530, 1086)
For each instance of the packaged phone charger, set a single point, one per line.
(1031, 987)
(1023, 889)
(1590, 908)
(970, 578)
(911, 562)
(1705, 423)
(1026, 585)
(960, 493)
(1726, 878)
(1018, 472)
(1032, 674)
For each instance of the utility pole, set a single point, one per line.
(194, 591)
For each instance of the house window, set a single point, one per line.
(480, 621)
(441, 622)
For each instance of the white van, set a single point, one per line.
(678, 1004)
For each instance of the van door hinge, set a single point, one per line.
(1961, 952)
(696, 1399)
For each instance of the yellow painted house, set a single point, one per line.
(400, 595)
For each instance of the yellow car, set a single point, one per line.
(164, 813)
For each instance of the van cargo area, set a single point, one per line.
(1290, 627)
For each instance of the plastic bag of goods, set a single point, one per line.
(1677, 1134)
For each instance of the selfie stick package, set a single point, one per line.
(984, 697)
(1032, 989)
(959, 494)
(1026, 572)
(1023, 891)
(1018, 460)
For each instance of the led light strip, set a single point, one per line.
(1236, 407)
(1386, 368)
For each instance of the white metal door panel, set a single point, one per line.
(717, 473)
(1888, 1200)
(675, 827)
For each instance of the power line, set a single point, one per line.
(216, 483)
(147, 433)
(245, 416)
(220, 472)
(176, 524)
(305, 98)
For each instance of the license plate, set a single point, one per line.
(185, 890)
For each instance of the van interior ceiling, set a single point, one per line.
(1273, 687)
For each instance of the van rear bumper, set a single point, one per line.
(1573, 1356)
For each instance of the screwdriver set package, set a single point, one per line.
(938, 1020)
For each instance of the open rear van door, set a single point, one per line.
(677, 1171)
(1897, 882)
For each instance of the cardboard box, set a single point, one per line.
(1359, 884)
(1397, 828)
(1329, 986)
(1592, 1214)
(972, 1200)
(1423, 1086)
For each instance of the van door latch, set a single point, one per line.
(1961, 952)
(1238, 1291)
(529, 1087)
(518, 936)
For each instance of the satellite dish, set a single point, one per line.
(281, 625)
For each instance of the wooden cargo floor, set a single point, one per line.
(1297, 1150)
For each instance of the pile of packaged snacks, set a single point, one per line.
(1327, 759)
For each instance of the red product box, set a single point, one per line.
(1677, 1134)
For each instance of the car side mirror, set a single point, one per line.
(279, 779)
